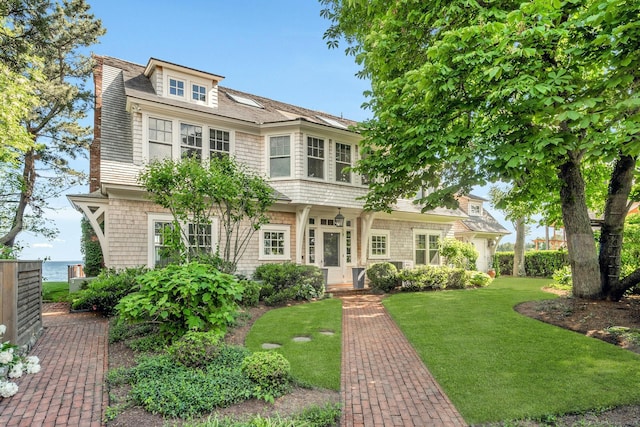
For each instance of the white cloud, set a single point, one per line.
(42, 245)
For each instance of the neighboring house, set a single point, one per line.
(480, 228)
(164, 110)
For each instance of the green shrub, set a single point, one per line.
(90, 248)
(457, 278)
(105, 292)
(288, 281)
(562, 278)
(250, 293)
(477, 278)
(196, 349)
(537, 263)
(183, 297)
(320, 416)
(383, 276)
(424, 277)
(270, 371)
(153, 343)
(459, 254)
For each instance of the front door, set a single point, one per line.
(332, 257)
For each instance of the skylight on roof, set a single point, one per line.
(332, 122)
(245, 101)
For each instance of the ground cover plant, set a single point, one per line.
(496, 364)
(315, 362)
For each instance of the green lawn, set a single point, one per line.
(496, 364)
(55, 291)
(316, 362)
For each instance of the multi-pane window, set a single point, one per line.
(198, 93)
(348, 246)
(279, 156)
(218, 143)
(312, 246)
(315, 157)
(160, 252)
(475, 209)
(426, 249)
(160, 139)
(379, 244)
(200, 238)
(190, 141)
(273, 243)
(176, 87)
(343, 162)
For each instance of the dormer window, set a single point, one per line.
(475, 209)
(198, 93)
(176, 87)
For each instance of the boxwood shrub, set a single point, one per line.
(104, 293)
(383, 277)
(433, 277)
(289, 281)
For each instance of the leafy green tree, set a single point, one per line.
(195, 194)
(466, 92)
(459, 254)
(55, 32)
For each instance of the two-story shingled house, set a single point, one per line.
(163, 110)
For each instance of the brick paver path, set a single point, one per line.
(68, 390)
(384, 382)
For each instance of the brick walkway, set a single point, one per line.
(384, 382)
(68, 390)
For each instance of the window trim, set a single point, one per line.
(374, 233)
(326, 144)
(336, 162)
(184, 89)
(275, 228)
(176, 142)
(291, 154)
(153, 217)
(426, 232)
(475, 205)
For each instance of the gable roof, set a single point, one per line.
(485, 223)
(138, 86)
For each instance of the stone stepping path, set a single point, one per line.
(271, 346)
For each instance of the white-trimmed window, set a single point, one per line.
(275, 242)
(176, 87)
(200, 238)
(425, 247)
(198, 93)
(311, 246)
(190, 141)
(475, 209)
(160, 139)
(279, 156)
(379, 241)
(219, 143)
(315, 157)
(343, 162)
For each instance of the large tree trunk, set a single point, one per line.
(611, 234)
(581, 244)
(518, 249)
(28, 183)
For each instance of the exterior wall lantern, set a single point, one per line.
(339, 219)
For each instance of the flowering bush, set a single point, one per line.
(13, 366)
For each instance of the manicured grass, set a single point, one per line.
(496, 364)
(55, 291)
(316, 362)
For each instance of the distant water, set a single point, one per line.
(56, 271)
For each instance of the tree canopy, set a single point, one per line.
(194, 194)
(538, 92)
(43, 38)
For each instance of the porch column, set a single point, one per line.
(367, 220)
(302, 217)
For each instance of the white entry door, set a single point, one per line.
(332, 256)
(482, 264)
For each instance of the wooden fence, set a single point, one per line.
(21, 301)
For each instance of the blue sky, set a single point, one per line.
(271, 48)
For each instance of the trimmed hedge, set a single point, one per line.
(537, 263)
